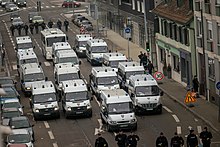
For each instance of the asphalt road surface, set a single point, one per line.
(80, 132)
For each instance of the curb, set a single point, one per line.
(194, 113)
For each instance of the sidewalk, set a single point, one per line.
(203, 109)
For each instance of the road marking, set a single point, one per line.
(55, 145)
(196, 120)
(52, 6)
(100, 123)
(80, 10)
(96, 100)
(176, 118)
(199, 129)
(99, 130)
(178, 130)
(14, 67)
(114, 133)
(51, 135)
(46, 63)
(46, 124)
(47, 6)
(167, 109)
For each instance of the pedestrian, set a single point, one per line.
(169, 70)
(59, 24)
(12, 28)
(50, 24)
(66, 24)
(43, 26)
(176, 141)
(26, 29)
(195, 84)
(36, 25)
(206, 137)
(161, 141)
(19, 29)
(192, 140)
(145, 60)
(121, 139)
(140, 57)
(132, 140)
(150, 67)
(100, 141)
(31, 26)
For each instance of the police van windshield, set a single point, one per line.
(32, 60)
(33, 77)
(46, 97)
(82, 43)
(118, 108)
(130, 73)
(68, 76)
(107, 80)
(73, 60)
(76, 96)
(52, 40)
(25, 45)
(142, 91)
(99, 49)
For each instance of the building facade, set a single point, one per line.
(207, 26)
(175, 41)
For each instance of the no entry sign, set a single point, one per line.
(158, 75)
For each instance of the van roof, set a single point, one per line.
(61, 45)
(63, 68)
(142, 80)
(83, 37)
(115, 56)
(74, 86)
(130, 66)
(30, 68)
(66, 53)
(96, 42)
(23, 39)
(115, 96)
(52, 31)
(42, 87)
(103, 71)
(26, 54)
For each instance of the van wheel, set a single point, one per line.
(159, 111)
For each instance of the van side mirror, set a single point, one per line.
(132, 94)
(56, 82)
(88, 86)
(16, 49)
(40, 63)
(91, 99)
(46, 78)
(34, 46)
(161, 93)
(67, 38)
(22, 81)
(89, 52)
(80, 62)
(53, 56)
(18, 66)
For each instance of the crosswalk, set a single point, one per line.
(42, 7)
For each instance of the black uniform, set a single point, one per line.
(59, 24)
(19, 30)
(26, 29)
(43, 26)
(192, 140)
(12, 28)
(50, 24)
(31, 26)
(140, 57)
(206, 137)
(121, 139)
(161, 141)
(36, 25)
(66, 24)
(176, 141)
(101, 142)
(132, 140)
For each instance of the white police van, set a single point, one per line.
(43, 101)
(26, 56)
(30, 73)
(75, 98)
(66, 56)
(24, 42)
(94, 51)
(117, 110)
(126, 69)
(145, 93)
(80, 44)
(113, 59)
(103, 78)
(64, 72)
(60, 46)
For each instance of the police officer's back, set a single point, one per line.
(161, 141)
(100, 141)
(192, 140)
(206, 137)
(59, 24)
(50, 24)
(121, 139)
(176, 141)
(66, 24)
(132, 140)
(26, 29)
(31, 26)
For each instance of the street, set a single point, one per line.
(82, 132)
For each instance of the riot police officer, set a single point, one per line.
(206, 137)
(176, 141)
(19, 29)
(161, 141)
(121, 139)
(43, 26)
(66, 24)
(31, 26)
(100, 141)
(132, 140)
(192, 140)
(36, 25)
(26, 29)
(59, 24)
(50, 24)
(12, 28)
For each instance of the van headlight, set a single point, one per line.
(36, 110)
(56, 108)
(133, 120)
(89, 106)
(68, 108)
(112, 122)
(28, 88)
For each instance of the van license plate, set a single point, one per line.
(123, 125)
(79, 112)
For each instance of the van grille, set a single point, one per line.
(122, 122)
(149, 106)
(83, 108)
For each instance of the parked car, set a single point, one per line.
(11, 7)
(7, 81)
(4, 2)
(14, 103)
(70, 4)
(21, 122)
(21, 3)
(31, 15)
(78, 18)
(17, 21)
(17, 145)
(38, 19)
(11, 93)
(14, 15)
(87, 26)
(8, 113)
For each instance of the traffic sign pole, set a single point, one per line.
(128, 50)
(218, 88)
(127, 32)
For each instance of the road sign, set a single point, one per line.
(158, 75)
(127, 32)
(190, 98)
(218, 85)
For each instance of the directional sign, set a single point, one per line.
(218, 85)
(158, 75)
(127, 32)
(190, 97)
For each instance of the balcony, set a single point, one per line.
(207, 8)
(210, 45)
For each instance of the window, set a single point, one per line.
(171, 30)
(186, 36)
(165, 28)
(176, 66)
(209, 30)
(199, 27)
(218, 33)
(211, 67)
(162, 55)
(179, 3)
(175, 31)
(138, 6)
(180, 34)
(217, 2)
(142, 7)
(112, 1)
(119, 2)
(133, 4)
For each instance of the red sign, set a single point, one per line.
(158, 75)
